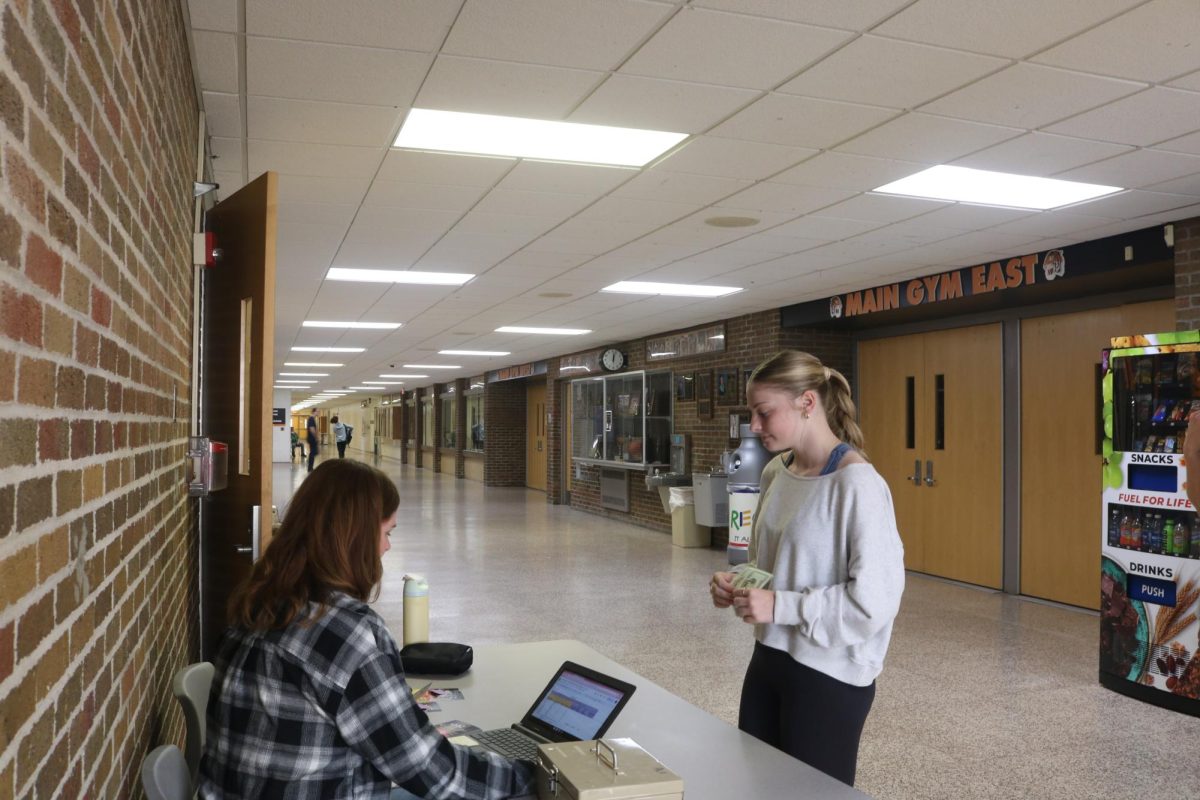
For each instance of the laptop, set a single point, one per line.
(577, 704)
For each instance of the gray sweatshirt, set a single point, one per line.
(832, 544)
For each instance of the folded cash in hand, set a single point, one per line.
(751, 578)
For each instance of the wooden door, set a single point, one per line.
(1060, 464)
(963, 438)
(933, 402)
(239, 322)
(888, 398)
(535, 435)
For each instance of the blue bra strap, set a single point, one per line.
(835, 458)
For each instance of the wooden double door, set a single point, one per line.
(932, 418)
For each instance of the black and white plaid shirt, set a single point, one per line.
(323, 711)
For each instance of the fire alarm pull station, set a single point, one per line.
(209, 466)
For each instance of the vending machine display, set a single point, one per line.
(1150, 540)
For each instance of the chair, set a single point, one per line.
(165, 774)
(191, 687)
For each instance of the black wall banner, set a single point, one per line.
(1116, 253)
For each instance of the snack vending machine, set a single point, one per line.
(1150, 546)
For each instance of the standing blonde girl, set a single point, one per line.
(826, 529)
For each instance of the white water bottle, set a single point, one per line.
(416, 609)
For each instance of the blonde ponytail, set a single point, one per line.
(840, 409)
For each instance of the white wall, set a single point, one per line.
(281, 435)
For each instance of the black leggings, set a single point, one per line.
(803, 712)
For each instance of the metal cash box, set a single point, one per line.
(603, 769)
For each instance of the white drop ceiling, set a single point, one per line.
(794, 110)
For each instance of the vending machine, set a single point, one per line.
(1150, 546)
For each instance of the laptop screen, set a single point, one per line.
(579, 704)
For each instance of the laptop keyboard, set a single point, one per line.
(508, 742)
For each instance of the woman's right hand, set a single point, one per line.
(721, 589)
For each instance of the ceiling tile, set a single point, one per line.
(479, 86)
(323, 123)
(1050, 223)
(227, 155)
(1041, 154)
(1134, 204)
(635, 102)
(1155, 42)
(1030, 96)
(824, 227)
(786, 198)
(223, 114)
(510, 225)
(731, 49)
(1189, 143)
(548, 205)
(313, 159)
(927, 139)
(338, 73)
(217, 60)
(311, 188)
(1136, 169)
(230, 182)
(984, 26)
(317, 214)
(1154, 115)
(1191, 82)
(1187, 185)
(470, 252)
(731, 158)
(383, 219)
(584, 34)
(443, 168)
(788, 120)
(967, 217)
(848, 171)
(662, 184)
(393, 24)
(215, 15)
(628, 209)
(882, 208)
(402, 194)
(828, 13)
(888, 72)
(549, 176)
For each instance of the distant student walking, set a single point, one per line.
(341, 435)
(826, 530)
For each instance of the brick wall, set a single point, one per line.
(504, 423)
(460, 427)
(97, 138)
(749, 340)
(1187, 274)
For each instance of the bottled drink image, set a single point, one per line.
(1114, 527)
(1154, 543)
(1125, 527)
(1181, 541)
(1168, 536)
(1135, 532)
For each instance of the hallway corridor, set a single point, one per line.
(983, 695)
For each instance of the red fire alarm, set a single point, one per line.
(204, 249)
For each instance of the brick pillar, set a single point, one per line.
(1187, 274)
(504, 421)
(437, 426)
(460, 427)
(418, 417)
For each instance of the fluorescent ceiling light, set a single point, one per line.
(404, 376)
(490, 135)
(383, 383)
(330, 349)
(398, 276)
(662, 355)
(553, 331)
(365, 388)
(310, 364)
(306, 374)
(995, 188)
(673, 289)
(316, 323)
(293, 382)
(473, 353)
(432, 366)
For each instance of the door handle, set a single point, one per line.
(929, 481)
(916, 476)
(255, 535)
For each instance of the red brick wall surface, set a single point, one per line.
(504, 427)
(1187, 274)
(98, 129)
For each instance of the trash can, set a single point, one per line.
(684, 530)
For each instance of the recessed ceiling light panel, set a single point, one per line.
(473, 353)
(329, 349)
(551, 331)
(516, 137)
(383, 326)
(673, 289)
(984, 187)
(398, 276)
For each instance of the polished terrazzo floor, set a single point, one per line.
(983, 695)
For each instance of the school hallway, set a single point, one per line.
(983, 695)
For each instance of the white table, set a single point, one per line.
(715, 759)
